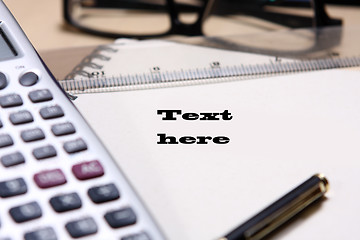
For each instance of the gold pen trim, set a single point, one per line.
(278, 218)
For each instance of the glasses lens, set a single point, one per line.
(232, 17)
(127, 17)
(189, 10)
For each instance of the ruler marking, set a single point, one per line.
(224, 72)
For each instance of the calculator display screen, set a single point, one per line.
(7, 51)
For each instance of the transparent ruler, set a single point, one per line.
(157, 78)
(132, 65)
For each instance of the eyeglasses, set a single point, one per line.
(157, 18)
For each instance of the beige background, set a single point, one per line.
(43, 23)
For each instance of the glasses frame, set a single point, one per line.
(177, 26)
(320, 19)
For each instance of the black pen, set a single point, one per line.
(281, 211)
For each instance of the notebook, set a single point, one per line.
(283, 129)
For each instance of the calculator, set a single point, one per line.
(57, 181)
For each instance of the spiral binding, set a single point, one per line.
(88, 62)
(158, 79)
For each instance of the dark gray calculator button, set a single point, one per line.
(40, 95)
(12, 188)
(32, 135)
(21, 117)
(28, 79)
(66, 202)
(41, 234)
(103, 193)
(26, 212)
(5, 140)
(12, 159)
(44, 152)
(81, 228)
(138, 236)
(63, 129)
(11, 100)
(75, 146)
(120, 218)
(51, 112)
(3, 81)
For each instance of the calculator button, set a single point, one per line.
(49, 178)
(81, 228)
(11, 100)
(5, 140)
(12, 188)
(44, 152)
(32, 135)
(41, 234)
(63, 129)
(66, 202)
(139, 236)
(42, 95)
(26, 212)
(104, 193)
(21, 117)
(3, 81)
(28, 79)
(12, 159)
(88, 170)
(51, 112)
(120, 218)
(75, 146)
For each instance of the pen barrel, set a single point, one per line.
(282, 210)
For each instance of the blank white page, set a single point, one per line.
(284, 130)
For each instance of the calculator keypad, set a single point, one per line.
(11, 100)
(12, 159)
(5, 140)
(32, 135)
(62, 129)
(66, 202)
(26, 212)
(35, 119)
(74, 146)
(12, 188)
(21, 117)
(104, 193)
(82, 227)
(51, 112)
(28, 79)
(139, 236)
(44, 152)
(121, 218)
(3, 81)
(49, 178)
(88, 170)
(41, 234)
(42, 95)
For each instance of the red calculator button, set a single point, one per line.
(88, 170)
(50, 178)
